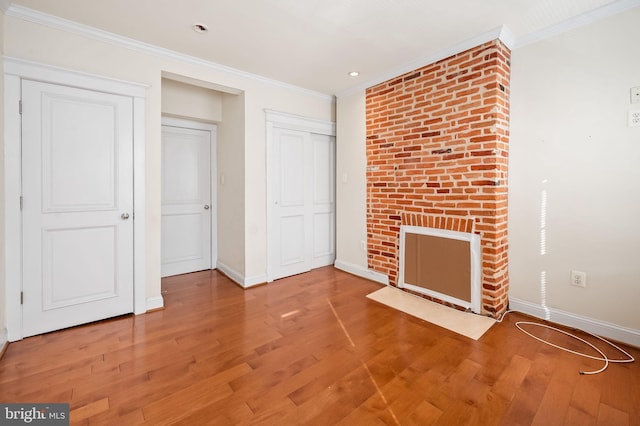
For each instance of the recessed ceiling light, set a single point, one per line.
(354, 73)
(200, 28)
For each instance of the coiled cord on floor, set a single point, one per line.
(603, 357)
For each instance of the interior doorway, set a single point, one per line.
(189, 218)
(81, 213)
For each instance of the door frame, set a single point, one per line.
(16, 70)
(282, 120)
(213, 173)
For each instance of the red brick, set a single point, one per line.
(458, 106)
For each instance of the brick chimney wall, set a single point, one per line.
(437, 154)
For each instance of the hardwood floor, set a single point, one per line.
(309, 349)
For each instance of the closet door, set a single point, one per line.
(301, 181)
(323, 202)
(291, 179)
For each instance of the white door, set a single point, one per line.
(292, 236)
(77, 177)
(323, 202)
(303, 209)
(186, 200)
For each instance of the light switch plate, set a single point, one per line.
(635, 95)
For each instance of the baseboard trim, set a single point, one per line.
(256, 280)
(4, 342)
(231, 273)
(154, 303)
(361, 272)
(600, 328)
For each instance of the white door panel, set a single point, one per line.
(322, 227)
(186, 200)
(290, 181)
(292, 247)
(323, 200)
(62, 250)
(185, 233)
(292, 161)
(77, 185)
(79, 161)
(323, 169)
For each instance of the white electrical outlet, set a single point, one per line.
(579, 279)
(634, 118)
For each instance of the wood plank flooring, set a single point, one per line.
(309, 349)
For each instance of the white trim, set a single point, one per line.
(475, 267)
(48, 73)
(231, 273)
(12, 215)
(41, 18)
(577, 21)
(200, 83)
(361, 272)
(298, 122)
(4, 5)
(188, 124)
(240, 279)
(156, 302)
(3, 339)
(213, 131)
(600, 328)
(502, 33)
(14, 71)
(255, 280)
(507, 37)
(139, 207)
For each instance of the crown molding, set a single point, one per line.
(577, 21)
(506, 36)
(502, 33)
(51, 21)
(4, 5)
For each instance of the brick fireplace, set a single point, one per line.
(437, 153)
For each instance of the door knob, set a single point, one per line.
(206, 206)
(124, 216)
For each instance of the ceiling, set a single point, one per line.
(314, 44)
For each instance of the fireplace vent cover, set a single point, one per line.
(442, 264)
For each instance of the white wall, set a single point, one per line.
(351, 187)
(351, 181)
(68, 49)
(231, 185)
(181, 100)
(569, 138)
